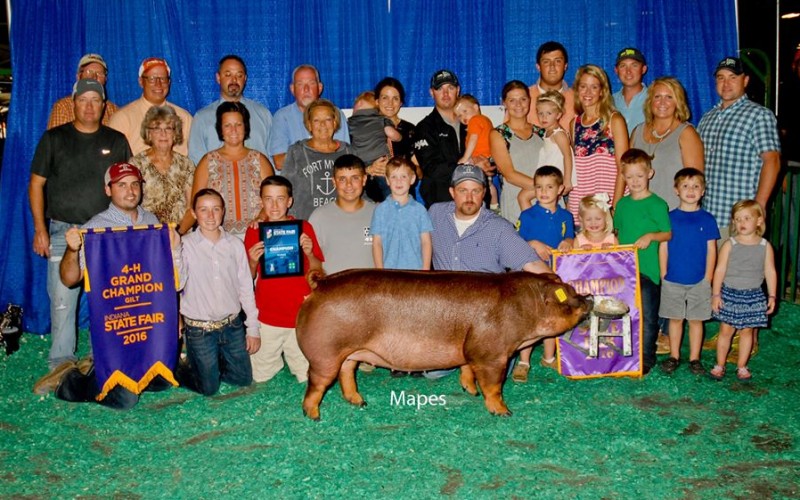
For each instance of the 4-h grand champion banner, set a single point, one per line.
(615, 348)
(130, 282)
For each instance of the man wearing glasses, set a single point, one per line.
(154, 78)
(90, 66)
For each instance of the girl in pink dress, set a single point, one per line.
(596, 222)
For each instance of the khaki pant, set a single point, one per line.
(268, 361)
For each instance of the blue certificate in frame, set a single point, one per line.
(283, 255)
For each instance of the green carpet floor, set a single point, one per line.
(660, 437)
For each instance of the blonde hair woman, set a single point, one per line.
(309, 162)
(600, 138)
(667, 136)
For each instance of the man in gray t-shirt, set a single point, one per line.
(342, 227)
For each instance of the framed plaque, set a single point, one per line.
(283, 255)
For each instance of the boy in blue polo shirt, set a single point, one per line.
(401, 228)
(687, 261)
(546, 227)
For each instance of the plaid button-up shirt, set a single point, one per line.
(489, 245)
(734, 139)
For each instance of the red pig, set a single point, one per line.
(417, 321)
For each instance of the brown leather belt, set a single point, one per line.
(210, 325)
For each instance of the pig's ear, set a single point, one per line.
(554, 295)
(555, 277)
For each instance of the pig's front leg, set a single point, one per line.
(490, 378)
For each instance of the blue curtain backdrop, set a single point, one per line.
(353, 43)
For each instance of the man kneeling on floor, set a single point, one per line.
(76, 382)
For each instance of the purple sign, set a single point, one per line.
(133, 306)
(614, 348)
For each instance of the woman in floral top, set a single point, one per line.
(234, 170)
(167, 174)
(600, 138)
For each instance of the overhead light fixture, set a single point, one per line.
(790, 15)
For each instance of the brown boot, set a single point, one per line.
(520, 373)
(50, 381)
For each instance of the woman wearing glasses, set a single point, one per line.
(167, 174)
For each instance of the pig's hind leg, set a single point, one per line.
(347, 381)
(467, 379)
(318, 383)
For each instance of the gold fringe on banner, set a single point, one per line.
(119, 378)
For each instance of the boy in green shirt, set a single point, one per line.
(642, 219)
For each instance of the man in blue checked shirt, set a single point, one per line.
(467, 236)
(742, 154)
(742, 148)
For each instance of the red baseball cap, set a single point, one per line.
(152, 62)
(120, 170)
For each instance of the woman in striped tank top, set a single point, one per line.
(600, 138)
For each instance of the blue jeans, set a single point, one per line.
(63, 301)
(217, 356)
(651, 300)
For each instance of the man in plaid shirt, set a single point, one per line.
(742, 154)
(742, 149)
(90, 66)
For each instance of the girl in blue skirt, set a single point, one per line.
(738, 302)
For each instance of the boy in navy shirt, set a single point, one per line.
(546, 227)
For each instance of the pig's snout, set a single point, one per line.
(589, 301)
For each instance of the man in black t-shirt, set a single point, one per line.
(439, 140)
(70, 161)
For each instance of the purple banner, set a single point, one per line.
(616, 348)
(133, 306)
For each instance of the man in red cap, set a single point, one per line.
(90, 66)
(123, 184)
(70, 161)
(154, 78)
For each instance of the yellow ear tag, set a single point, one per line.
(561, 295)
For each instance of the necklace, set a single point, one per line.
(661, 137)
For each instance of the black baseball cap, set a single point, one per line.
(443, 76)
(631, 53)
(732, 64)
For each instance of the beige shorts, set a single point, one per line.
(278, 343)
(692, 302)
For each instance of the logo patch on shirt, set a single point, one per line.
(422, 143)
